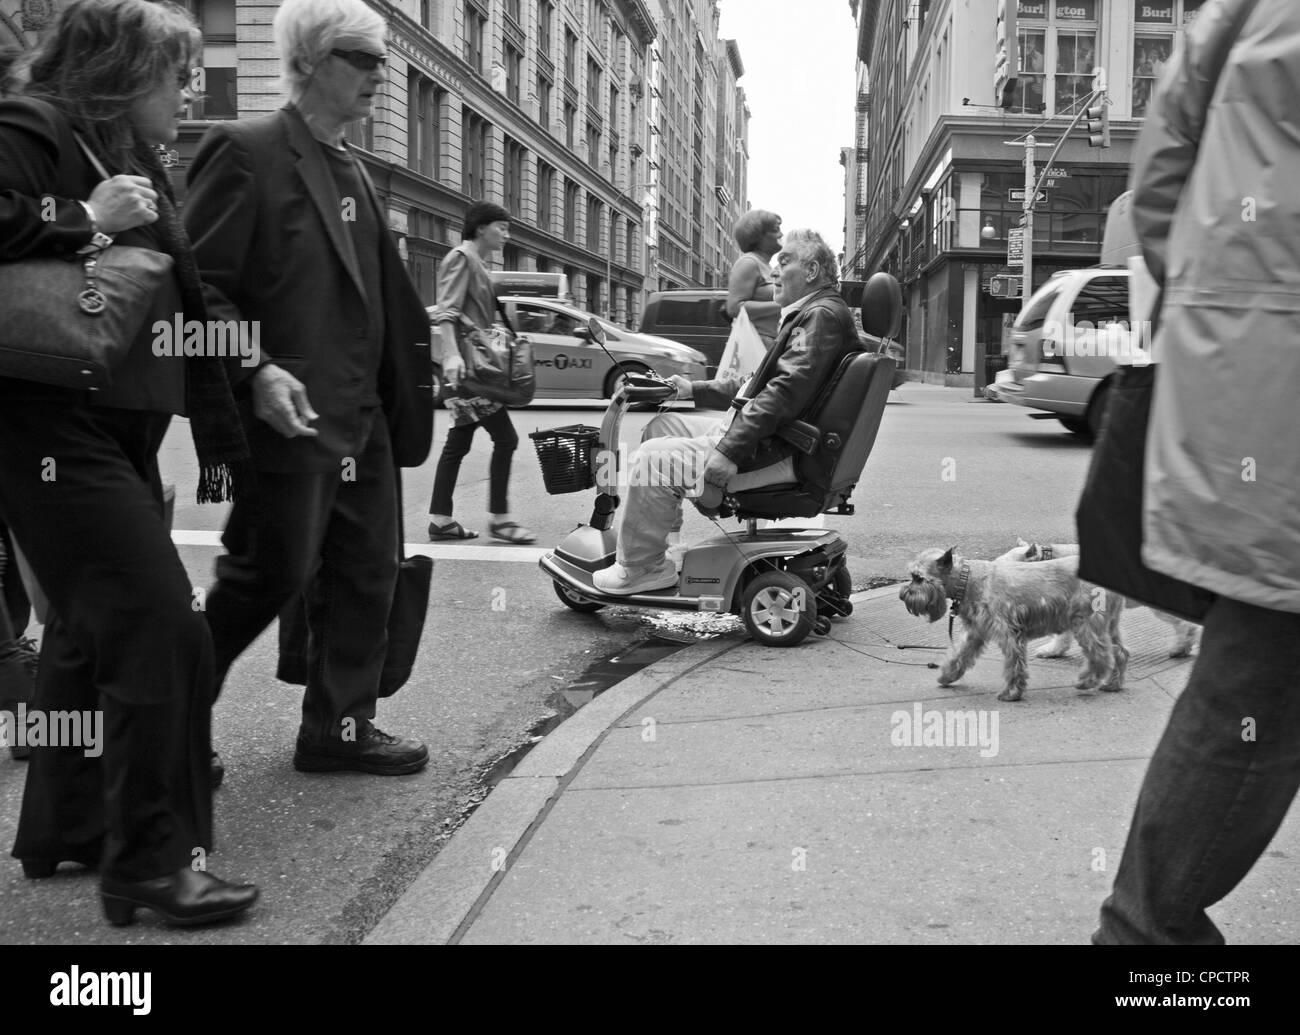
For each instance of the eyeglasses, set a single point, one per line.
(360, 59)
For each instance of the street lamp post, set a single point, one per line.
(609, 252)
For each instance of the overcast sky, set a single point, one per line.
(799, 83)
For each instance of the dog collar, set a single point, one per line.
(958, 595)
(1046, 551)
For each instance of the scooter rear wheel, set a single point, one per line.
(778, 609)
(574, 599)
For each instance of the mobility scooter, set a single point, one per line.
(782, 582)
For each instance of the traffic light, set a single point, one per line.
(1099, 124)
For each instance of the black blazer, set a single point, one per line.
(39, 158)
(266, 221)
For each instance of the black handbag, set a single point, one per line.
(1109, 515)
(498, 364)
(70, 322)
(406, 620)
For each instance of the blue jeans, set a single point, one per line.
(1219, 784)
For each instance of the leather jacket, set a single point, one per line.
(809, 348)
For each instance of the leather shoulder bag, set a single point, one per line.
(69, 322)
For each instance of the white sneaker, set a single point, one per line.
(622, 581)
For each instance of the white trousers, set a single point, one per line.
(663, 472)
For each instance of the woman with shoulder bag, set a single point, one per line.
(467, 305)
(123, 646)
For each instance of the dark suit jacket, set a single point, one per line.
(788, 383)
(39, 158)
(267, 225)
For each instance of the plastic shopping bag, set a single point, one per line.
(745, 349)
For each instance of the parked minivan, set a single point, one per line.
(698, 318)
(694, 317)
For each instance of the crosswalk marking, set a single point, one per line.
(500, 554)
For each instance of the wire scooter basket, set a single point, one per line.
(566, 455)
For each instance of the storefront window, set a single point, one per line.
(1156, 29)
(1076, 58)
(1072, 216)
(1060, 35)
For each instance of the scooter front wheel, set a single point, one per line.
(778, 609)
(572, 598)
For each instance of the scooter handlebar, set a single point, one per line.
(648, 388)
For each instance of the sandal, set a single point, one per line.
(451, 531)
(512, 532)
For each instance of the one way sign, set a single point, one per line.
(1019, 196)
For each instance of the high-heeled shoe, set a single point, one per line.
(187, 897)
(40, 869)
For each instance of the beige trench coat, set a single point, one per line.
(1217, 208)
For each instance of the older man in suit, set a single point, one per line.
(290, 237)
(742, 451)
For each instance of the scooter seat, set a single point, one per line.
(844, 427)
(779, 501)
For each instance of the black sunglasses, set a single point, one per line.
(360, 59)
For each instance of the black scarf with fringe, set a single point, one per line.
(215, 426)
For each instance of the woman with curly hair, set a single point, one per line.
(122, 647)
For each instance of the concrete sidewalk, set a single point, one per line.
(736, 793)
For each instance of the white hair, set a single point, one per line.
(307, 30)
(809, 246)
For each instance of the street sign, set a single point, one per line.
(1016, 247)
(1018, 195)
(1057, 173)
(1002, 285)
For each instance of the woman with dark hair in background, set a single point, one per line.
(466, 303)
(122, 647)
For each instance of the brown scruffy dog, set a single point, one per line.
(1010, 603)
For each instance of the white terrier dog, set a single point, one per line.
(1010, 603)
(1184, 632)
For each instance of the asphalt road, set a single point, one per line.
(333, 852)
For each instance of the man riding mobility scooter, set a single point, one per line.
(782, 582)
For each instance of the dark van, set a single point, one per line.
(692, 317)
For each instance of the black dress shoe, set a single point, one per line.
(372, 752)
(188, 897)
(218, 771)
(39, 869)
